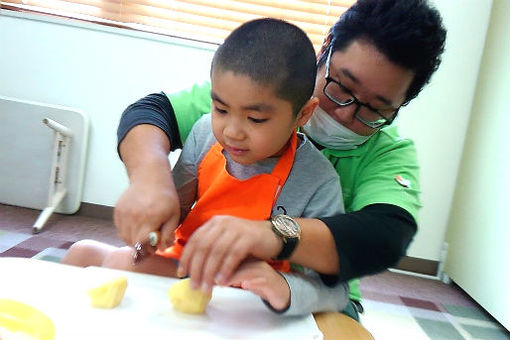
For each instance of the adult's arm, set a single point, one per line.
(147, 131)
(366, 242)
(154, 109)
(342, 247)
(351, 245)
(150, 202)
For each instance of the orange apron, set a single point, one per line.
(219, 193)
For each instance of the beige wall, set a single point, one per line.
(479, 227)
(438, 119)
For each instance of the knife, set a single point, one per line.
(142, 247)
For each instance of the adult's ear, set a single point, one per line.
(307, 111)
(324, 47)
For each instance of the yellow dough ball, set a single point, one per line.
(187, 300)
(108, 294)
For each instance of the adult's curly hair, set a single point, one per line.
(410, 33)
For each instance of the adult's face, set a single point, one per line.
(371, 78)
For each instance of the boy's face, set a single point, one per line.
(248, 120)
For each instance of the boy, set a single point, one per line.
(246, 159)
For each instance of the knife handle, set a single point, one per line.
(141, 252)
(154, 237)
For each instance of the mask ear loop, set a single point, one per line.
(324, 48)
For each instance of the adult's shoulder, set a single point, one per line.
(390, 138)
(189, 105)
(387, 147)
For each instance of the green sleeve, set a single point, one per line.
(189, 105)
(390, 175)
(383, 170)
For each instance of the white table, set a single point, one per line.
(59, 291)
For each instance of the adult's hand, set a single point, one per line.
(218, 247)
(150, 203)
(144, 207)
(215, 250)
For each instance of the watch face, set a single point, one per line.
(286, 225)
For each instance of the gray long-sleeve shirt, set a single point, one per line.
(312, 189)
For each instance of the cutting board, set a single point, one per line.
(59, 291)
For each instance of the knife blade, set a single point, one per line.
(146, 247)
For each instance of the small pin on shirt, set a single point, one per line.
(403, 182)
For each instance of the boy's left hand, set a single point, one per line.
(261, 279)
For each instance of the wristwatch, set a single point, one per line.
(289, 231)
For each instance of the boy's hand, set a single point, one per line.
(261, 279)
(217, 248)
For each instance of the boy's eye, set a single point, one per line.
(257, 120)
(217, 109)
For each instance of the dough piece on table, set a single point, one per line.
(109, 294)
(187, 300)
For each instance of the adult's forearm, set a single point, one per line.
(355, 244)
(144, 152)
(150, 202)
(370, 240)
(317, 247)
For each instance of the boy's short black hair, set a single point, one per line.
(274, 53)
(409, 33)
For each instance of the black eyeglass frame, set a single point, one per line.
(354, 100)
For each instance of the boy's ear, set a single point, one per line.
(307, 111)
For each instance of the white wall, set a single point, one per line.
(437, 120)
(479, 228)
(102, 72)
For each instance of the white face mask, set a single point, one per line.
(326, 131)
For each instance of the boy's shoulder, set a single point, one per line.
(203, 123)
(313, 186)
(202, 130)
(200, 138)
(307, 155)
